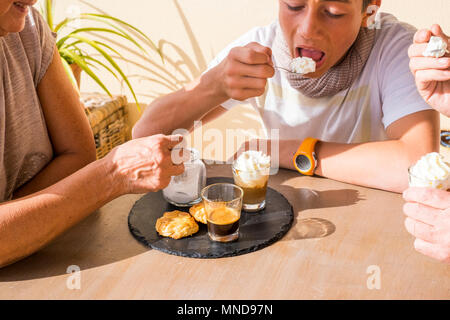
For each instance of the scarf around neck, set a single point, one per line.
(339, 77)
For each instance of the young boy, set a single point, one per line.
(359, 112)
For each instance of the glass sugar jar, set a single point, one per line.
(185, 190)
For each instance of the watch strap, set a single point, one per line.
(305, 158)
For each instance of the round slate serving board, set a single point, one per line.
(256, 230)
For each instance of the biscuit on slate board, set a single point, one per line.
(176, 224)
(198, 211)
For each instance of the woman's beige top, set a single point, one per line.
(25, 147)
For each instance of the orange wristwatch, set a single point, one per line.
(305, 160)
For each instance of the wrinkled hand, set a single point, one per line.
(428, 219)
(432, 75)
(244, 73)
(145, 164)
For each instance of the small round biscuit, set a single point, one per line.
(176, 224)
(198, 212)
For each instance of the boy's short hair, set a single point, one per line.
(366, 4)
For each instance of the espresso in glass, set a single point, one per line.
(223, 222)
(223, 204)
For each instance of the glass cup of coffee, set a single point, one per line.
(223, 204)
(251, 172)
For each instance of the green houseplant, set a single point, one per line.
(80, 47)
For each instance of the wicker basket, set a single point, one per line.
(108, 119)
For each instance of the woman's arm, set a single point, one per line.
(30, 223)
(138, 166)
(68, 127)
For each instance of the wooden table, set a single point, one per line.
(342, 236)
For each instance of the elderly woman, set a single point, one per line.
(48, 180)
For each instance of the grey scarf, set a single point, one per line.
(339, 77)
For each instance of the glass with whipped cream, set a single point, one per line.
(431, 171)
(251, 172)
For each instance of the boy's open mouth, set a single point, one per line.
(317, 55)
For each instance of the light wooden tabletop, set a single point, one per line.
(347, 242)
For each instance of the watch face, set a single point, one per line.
(303, 162)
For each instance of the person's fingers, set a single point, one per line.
(426, 63)
(417, 50)
(432, 250)
(249, 56)
(421, 230)
(434, 198)
(173, 141)
(432, 75)
(262, 71)
(175, 155)
(437, 31)
(176, 170)
(422, 36)
(421, 39)
(243, 94)
(246, 83)
(420, 212)
(262, 49)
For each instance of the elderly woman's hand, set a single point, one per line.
(432, 74)
(428, 219)
(145, 164)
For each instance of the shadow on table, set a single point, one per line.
(315, 227)
(96, 241)
(101, 239)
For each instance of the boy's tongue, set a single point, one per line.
(313, 54)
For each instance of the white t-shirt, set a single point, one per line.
(383, 93)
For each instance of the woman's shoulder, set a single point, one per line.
(35, 43)
(36, 31)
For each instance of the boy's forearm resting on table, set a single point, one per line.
(381, 165)
(29, 223)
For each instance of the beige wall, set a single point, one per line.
(419, 13)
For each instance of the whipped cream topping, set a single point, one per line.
(252, 161)
(430, 171)
(303, 65)
(437, 48)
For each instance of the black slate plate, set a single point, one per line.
(256, 230)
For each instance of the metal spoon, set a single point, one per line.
(281, 68)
